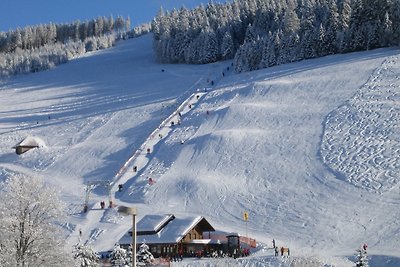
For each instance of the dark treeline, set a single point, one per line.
(32, 37)
(263, 33)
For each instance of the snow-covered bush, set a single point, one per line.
(85, 256)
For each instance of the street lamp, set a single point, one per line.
(131, 211)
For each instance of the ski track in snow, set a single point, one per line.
(362, 137)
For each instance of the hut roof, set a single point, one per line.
(31, 141)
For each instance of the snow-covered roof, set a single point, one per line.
(153, 223)
(31, 141)
(172, 232)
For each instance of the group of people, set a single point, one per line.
(282, 250)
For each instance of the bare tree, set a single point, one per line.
(29, 233)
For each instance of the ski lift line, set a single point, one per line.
(123, 168)
(164, 123)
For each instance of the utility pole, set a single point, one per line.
(131, 211)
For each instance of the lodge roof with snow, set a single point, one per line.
(167, 229)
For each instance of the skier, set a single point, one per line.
(273, 243)
(151, 181)
(276, 252)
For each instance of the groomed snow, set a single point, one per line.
(310, 149)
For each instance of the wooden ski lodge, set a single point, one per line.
(167, 235)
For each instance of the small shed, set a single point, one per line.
(27, 144)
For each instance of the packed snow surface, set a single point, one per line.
(310, 149)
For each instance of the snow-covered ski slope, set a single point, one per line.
(310, 149)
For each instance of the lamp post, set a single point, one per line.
(131, 211)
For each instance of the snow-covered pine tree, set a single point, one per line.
(266, 46)
(85, 256)
(254, 54)
(144, 255)
(275, 44)
(128, 24)
(293, 48)
(227, 48)
(387, 30)
(129, 255)
(239, 60)
(118, 257)
(291, 22)
(210, 51)
(362, 258)
(321, 44)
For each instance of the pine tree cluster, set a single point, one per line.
(41, 47)
(263, 33)
(37, 36)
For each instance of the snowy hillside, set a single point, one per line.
(309, 149)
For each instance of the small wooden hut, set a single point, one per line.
(27, 144)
